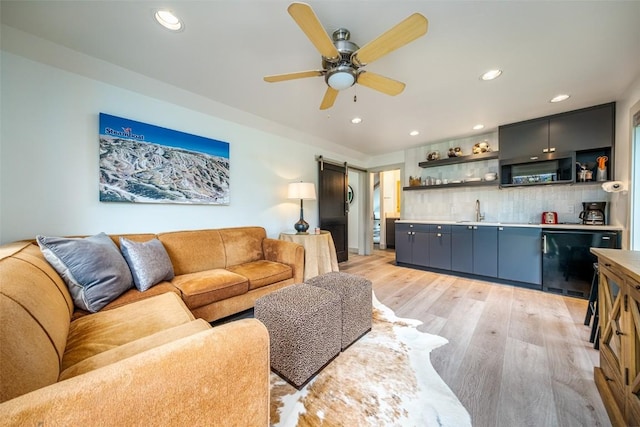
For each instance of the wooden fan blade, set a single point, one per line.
(309, 23)
(292, 76)
(405, 32)
(380, 83)
(329, 98)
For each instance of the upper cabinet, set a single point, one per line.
(586, 129)
(548, 150)
(524, 139)
(580, 130)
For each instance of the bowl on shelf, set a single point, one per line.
(490, 176)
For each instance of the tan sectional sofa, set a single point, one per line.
(220, 272)
(147, 358)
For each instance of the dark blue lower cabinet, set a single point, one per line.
(485, 250)
(412, 244)
(440, 247)
(520, 254)
(462, 248)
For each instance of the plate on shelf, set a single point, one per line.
(472, 180)
(456, 181)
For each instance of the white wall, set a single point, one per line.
(49, 159)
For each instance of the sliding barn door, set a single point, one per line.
(332, 204)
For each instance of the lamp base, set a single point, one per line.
(301, 226)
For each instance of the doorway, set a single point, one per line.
(385, 208)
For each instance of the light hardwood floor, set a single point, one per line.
(515, 357)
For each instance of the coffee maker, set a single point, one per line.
(593, 213)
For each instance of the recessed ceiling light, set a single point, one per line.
(356, 120)
(560, 98)
(478, 127)
(414, 133)
(167, 19)
(491, 74)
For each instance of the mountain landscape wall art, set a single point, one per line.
(143, 163)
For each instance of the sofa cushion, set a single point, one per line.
(35, 310)
(205, 287)
(133, 295)
(92, 267)
(242, 244)
(148, 261)
(263, 273)
(132, 348)
(194, 251)
(90, 335)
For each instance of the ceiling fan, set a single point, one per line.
(343, 60)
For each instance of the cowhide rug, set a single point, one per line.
(383, 379)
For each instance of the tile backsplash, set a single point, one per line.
(513, 204)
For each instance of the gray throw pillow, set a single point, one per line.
(149, 262)
(92, 267)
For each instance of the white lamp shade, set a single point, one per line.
(302, 190)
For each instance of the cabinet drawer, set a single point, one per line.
(439, 228)
(610, 368)
(404, 227)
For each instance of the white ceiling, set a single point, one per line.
(589, 49)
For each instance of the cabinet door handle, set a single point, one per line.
(439, 234)
(500, 228)
(607, 378)
(533, 158)
(545, 150)
(619, 333)
(637, 287)
(552, 149)
(475, 227)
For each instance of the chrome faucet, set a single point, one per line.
(479, 216)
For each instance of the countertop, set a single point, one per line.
(516, 224)
(628, 260)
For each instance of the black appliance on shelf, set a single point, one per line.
(567, 261)
(593, 213)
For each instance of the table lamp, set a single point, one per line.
(302, 191)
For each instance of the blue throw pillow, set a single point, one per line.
(148, 261)
(92, 267)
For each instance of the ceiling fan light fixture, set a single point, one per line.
(341, 77)
(167, 19)
(491, 74)
(478, 126)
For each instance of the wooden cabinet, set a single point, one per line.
(520, 254)
(618, 376)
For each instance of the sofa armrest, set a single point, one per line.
(215, 377)
(289, 253)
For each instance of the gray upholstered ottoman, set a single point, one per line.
(355, 296)
(305, 325)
